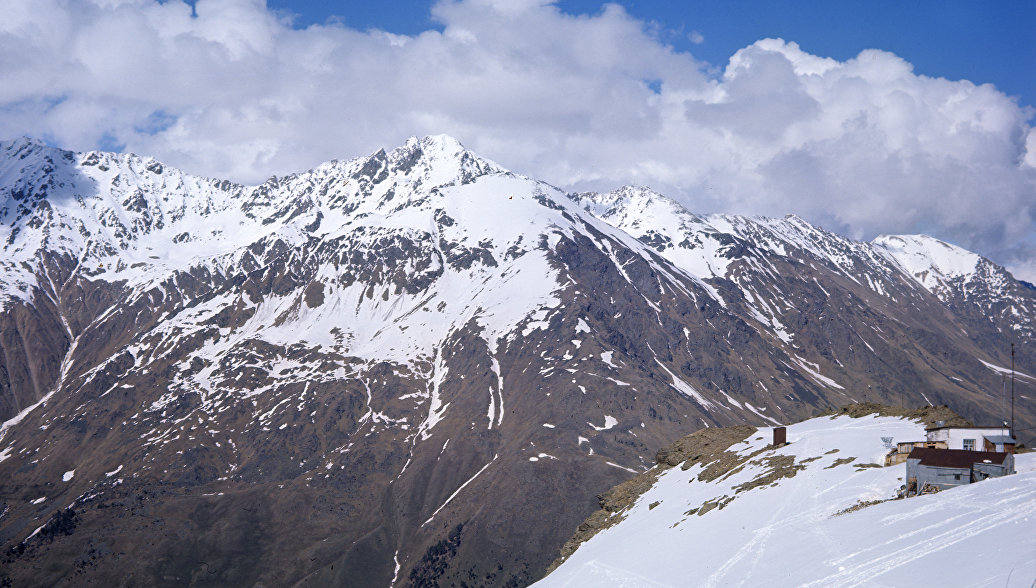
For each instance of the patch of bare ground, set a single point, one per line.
(780, 466)
(840, 461)
(863, 466)
(927, 414)
(708, 505)
(860, 506)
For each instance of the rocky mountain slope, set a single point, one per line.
(815, 512)
(417, 367)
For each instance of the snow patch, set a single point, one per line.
(462, 486)
(609, 422)
(686, 389)
(1007, 371)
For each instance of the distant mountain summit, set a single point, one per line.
(409, 368)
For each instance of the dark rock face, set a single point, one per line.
(412, 368)
(32, 344)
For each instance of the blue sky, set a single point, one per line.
(866, 118)
(985, 42)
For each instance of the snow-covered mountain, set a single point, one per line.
(721, 246)
(815, 512)
(415, 364)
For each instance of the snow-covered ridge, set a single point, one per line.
(933, 263)
(708, 246)
(443, 237)
(114, 211)
(124, 217)
(103, 202)
(797, 529)
(921, 253)
(687, 240)
(430, 227)
(952, 273)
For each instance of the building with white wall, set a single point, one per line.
(967, 438)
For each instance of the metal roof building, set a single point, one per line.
(946, 468)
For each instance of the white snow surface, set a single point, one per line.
(787, 534)
(920, 253)
(609, 422)
(933, 263)
(642, 213)
(1007, 371)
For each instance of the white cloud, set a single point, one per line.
(864, 146)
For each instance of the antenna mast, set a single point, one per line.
(1003, 396)
(1012, 390)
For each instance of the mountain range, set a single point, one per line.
(416, 367)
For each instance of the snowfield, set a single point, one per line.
(788, 533)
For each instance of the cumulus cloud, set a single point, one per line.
(864, 146)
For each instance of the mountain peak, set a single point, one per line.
(438, 160)
(439, 147)
(22, 143)
(23, 147)
(624, 193)
(636, 200)
(926, 257)
(441, 142)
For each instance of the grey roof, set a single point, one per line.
(1001, 439)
